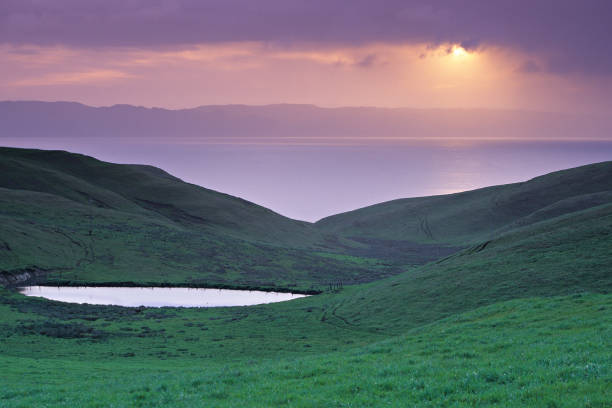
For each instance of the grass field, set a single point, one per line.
(518, 316)
(551, 352)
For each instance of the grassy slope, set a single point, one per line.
(477, 215)
(401, 341)
(521, 353)
(46, 231)
(563, 255)
(139, 189)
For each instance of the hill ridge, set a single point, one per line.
(471, 215)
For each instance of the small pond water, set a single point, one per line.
(157, 297)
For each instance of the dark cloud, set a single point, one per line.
(568, 35)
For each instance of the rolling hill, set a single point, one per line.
(560, 256)
(144, 190)
(478, 215)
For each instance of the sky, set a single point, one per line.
(543, 55)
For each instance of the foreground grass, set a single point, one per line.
(551, 352)
(436, 336)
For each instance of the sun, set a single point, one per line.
(458, 51)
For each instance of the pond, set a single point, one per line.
(157, 297)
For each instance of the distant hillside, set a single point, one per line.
(288, 122)
(144, 190)
(478, 215)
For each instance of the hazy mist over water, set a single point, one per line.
(309, 182)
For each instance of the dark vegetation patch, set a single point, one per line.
(401, 252)
(93, 200)
(60, 330)
(23, 276)
(72, 311)
(172, 212)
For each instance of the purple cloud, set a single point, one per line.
(368, 61)
(568, 36)
(529, 67)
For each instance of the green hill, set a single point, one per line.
(563, 255)
(478, 215)
(144, 190)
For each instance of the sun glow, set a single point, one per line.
(458, 51)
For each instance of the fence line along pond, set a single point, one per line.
(156, 296)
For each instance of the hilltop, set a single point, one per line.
(146, 191)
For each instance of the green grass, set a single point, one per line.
(47, 232)
(415, 339)
(564, 255)
(530, 352)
